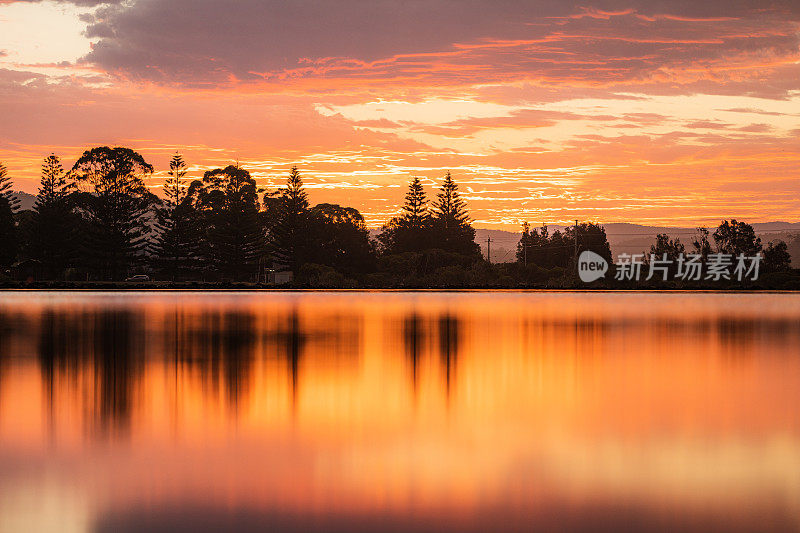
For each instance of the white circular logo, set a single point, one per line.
(591, 266)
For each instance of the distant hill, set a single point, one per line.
(504, 244)
(26, 200)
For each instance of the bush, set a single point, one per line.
(382, 280)
(401, 265)
(322, 276)
(450, 276)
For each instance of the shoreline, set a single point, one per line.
(234, 287)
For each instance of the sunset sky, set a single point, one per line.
(669, 112)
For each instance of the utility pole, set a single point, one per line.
(489, 249)
(576, 242)
(575, 264)
(526, 235)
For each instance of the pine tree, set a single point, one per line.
(8, 235)
(524, 244)
(52, 234)
(54, 187)
(5, 189)
(289, 239)
(174, 186)
(451, 222)
(176, 243)
(415, 210)
(409, 232)
(449, 208)
(116, 204)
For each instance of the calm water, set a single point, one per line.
(398, 411)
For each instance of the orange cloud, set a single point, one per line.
(544, 111)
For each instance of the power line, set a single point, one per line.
(653, 233)
(643, 234)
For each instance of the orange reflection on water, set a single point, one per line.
(411, 411)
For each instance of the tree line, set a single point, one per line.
(540, 247)
(731, 237)
(98, 221)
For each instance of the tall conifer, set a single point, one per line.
(451, 223)
(177, 240)
(5, 189)
(289, 237)
(53, 233)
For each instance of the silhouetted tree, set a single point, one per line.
(116, 203)
(664, 246)
(234, 238)
(6, 189)
(776, 257)
(52, 232)
(673, 248)
(177, 242)
(541, 248)
(590, 237)
(54, 187)
(702, 244)
(340, 239)
(452, 230)
(8, 235)
(525, 243)
(559, 250)
(289, 236)
(737, 238)
(409, 232)
(533, 246)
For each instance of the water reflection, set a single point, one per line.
(413, 337)
(449, 332)
(391, 411)
(425, 337)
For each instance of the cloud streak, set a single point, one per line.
(210, 43)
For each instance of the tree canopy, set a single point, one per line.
(116, 204)
(410, 231)
(227, 202)
(52, 232)
(176, 246)
(452, 229)
(5, 189)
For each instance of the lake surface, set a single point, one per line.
(397, 411)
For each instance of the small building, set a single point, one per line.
(279, 277)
